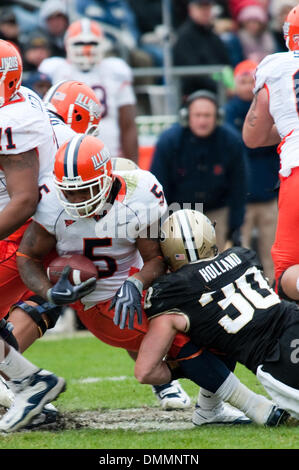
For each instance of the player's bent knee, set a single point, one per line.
(288, 284)
(37, 312)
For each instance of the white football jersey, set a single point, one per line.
(110, 241)
(61, 130)
(279, 73)
(25, 125)
(111, 81)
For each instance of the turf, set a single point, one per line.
(100, 378)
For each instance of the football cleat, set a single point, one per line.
(171, 396)
(221, 414)
(33, 393)
(6, 394)
(277, 417)
(48, 415)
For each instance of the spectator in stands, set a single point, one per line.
(9, 27)
(197, 44)
(256, 39)
(149, 20)
(279, 12)
(39, 82)
(54, 23)
(36, 49)
(203, 161)
(263, 163)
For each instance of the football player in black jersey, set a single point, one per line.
(222, 302)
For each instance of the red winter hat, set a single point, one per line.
(237, 5)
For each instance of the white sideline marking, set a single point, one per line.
(89, 380)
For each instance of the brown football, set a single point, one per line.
(82, 268)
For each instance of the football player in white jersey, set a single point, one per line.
(27, 149)
(72, 107)
(110, 78)
(273, 119)
(113, 219)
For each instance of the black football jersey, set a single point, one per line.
(229, 303)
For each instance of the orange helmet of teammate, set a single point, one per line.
(83, 163)
(11, 69)
(291, 29)
(77, 104)
(84, 43)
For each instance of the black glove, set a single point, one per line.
(126, 301)
(63, 292)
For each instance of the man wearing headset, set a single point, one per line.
(200, 160)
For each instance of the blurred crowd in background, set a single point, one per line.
(228, 33)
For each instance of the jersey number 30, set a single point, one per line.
(240, 298)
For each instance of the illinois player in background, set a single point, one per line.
(113, 219)
(27, 150)
(222, 302)
(110, 78)
(273, 119)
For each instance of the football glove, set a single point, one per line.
(127, 302)
(63, 292)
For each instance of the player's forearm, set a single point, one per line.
(150, 271)
(15, 214)
(33, 275)
(158, 376)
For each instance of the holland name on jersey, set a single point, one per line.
(217, 268)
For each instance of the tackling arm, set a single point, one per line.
(259, 129)
(21, 174)
(150, 368)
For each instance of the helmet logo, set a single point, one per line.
(296, 39)
(87, 103)
(100, 158)
(9, 63)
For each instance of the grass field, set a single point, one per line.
(104, 407)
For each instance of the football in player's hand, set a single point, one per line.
(82, 268)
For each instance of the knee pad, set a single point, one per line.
(6, 333)
(35, 312)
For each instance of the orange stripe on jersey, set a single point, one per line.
(267, 89)
(123, 190)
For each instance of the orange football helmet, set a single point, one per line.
(291, 29)
(84, 43)
(11, 69)
(83, 163)
(77, 104)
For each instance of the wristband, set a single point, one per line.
(138, 284)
